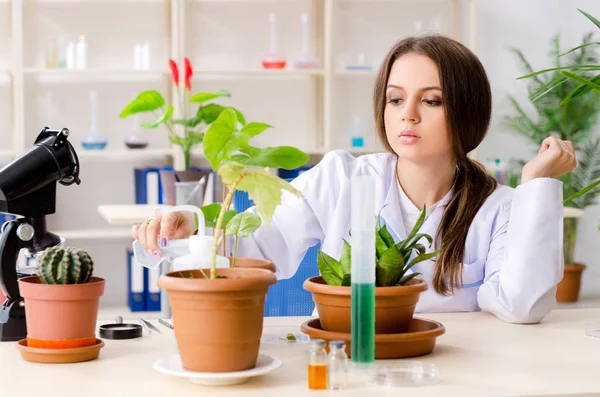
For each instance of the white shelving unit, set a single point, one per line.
(225, 40)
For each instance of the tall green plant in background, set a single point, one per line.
(573, 120)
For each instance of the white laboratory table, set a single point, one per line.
(478, 355)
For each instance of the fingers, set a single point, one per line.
(152, 235)
(142, 235)
(570, 146)
(167, 227)
(134, 231)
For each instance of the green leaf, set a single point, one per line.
(380, 246)
(591, 18)
(389, 267)
(330, 269)
(220, 141)
(409, 243)
(263, 188)
(584, 67)
(209, 113)
(405, 279)
(162, 119)
(177, 140)
(146, 101)
(254, 128)
(581, 90)
(386, 236)
(417, 225)
(579, 47)
(347, 280)
(191, 123)
(243, 224)
(240, 117)
(195, 138)
(346, 259)
(211, 214)
(421, 258)
(207, 96)
(286, 157)
(582, 80)
(582, 191)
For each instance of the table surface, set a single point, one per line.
(478, 355)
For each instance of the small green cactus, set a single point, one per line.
(65, 265)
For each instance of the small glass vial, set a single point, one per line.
(317, 365)
(337, 363)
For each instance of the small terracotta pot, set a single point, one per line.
(61, 316)
(568, 288)
(218, 322)
(394, 306)
(253, 263)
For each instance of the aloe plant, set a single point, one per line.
(392, 260)
(245, 167)
(65, 265)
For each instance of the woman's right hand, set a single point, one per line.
(162, 228)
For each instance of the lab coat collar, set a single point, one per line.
(391, 215)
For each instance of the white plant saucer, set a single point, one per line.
(172, 366)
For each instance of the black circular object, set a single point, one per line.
(120, 331)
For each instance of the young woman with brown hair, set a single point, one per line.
(501, 248)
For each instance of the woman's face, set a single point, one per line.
(415, 121)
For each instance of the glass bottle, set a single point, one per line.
(337, 364)
(317, 365)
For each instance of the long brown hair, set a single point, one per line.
(467, 99)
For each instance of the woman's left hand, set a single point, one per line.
(554, 159)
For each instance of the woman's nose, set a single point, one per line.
(410, 112)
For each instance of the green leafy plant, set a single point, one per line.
(193, 124)
(244, 167)
(65, 265)
(562, 112)
(392, 262)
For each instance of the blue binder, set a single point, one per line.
(136, 282)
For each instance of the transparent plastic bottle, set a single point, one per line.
(317, 365)
(337, 364)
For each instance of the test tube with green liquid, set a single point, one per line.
(363, 269)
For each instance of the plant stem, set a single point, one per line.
(213, 268)
(237, 238)
(570, 238)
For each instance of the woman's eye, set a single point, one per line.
(432, 102)
(395, 101)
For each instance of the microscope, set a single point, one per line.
(28, 190)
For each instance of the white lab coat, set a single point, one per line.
(514, 248)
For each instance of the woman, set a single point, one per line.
(501, 247)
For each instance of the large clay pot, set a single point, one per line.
(394, 306)
(218, 322)
(61, 316)
(568, 288)
(254, 263)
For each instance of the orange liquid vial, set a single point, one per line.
(317, 376)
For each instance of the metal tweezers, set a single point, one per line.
(149, 325)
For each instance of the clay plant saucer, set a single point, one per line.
(59, 356)
(417, 341)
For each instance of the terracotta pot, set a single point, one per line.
(167, 181)
(61, 316)
(218, 323)
(254, 264)
(568, 288)
(394, 306)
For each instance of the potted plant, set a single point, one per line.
(61, 302)
(218, 313)
(397, 290)
(572, 117)
(186, 132)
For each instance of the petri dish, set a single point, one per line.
(402, 374)
(283, 335)
(593, 329)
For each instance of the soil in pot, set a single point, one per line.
(218, 322)
(568, 288)
(61, 316)
(254, 263)
(394, 306)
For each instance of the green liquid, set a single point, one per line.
(363, 323)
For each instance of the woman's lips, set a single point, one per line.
(408, 137)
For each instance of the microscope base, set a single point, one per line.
(13, 326)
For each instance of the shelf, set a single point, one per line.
(95, 234)
(356, 73)
(123, 154)
(569, 212)
(270, 73)
(112, 2)
(127, 214)
(68, 75)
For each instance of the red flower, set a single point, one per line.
(188, 74)
(174, 72)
